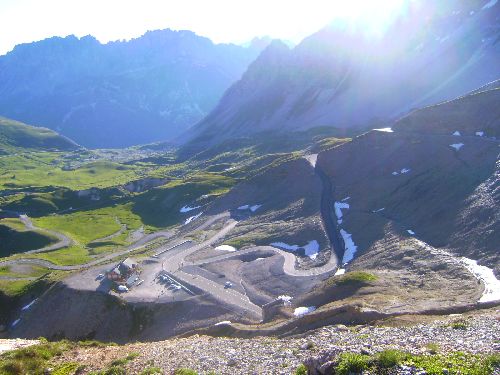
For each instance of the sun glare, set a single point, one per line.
(374, 17)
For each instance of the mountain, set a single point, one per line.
(434, 177)
(121, 93)
(341, 76)
(17, 134)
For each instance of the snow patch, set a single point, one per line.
(338, 210)
(471, 12)
(311, 249)
(385, 130)
(379, 210)
(28, 305)
(287, 300)
(487, 277)
(340, 271)
(489, 4)
(457, 133)
(225, 248)
(395, 173)
(190, 219)
(411, 232)
(285, 246)
(350, 247)
(405, 170)
(223, 323)
(301, 311)
(346, 199)
(457, 146)
(479, 134)
(16, 322)
(312, 159)
(187, 209)
(253, 208)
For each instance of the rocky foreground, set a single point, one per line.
(318, 350)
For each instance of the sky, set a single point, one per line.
(223, 21)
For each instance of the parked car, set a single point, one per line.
(228, 284)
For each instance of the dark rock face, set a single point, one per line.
(343, 77)
(121, 93)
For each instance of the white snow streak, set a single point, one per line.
(350, 247)
(340, 271)
(311, 249)
(457, 146)
(190, 219)
(489, 4)
(385, 130)
(338, 210)
(287, 300)
(225, 248)
(187, 209)
(223, 323)
(486, 275)
(301, 311)
(28, 305)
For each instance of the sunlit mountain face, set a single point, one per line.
(360, 71)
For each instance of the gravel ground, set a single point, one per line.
(267, 355)
(11, 344)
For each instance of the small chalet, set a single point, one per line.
(123, 271)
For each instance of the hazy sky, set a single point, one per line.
(221, 20)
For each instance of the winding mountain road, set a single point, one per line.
(64, 241)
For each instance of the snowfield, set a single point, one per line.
(487, 277)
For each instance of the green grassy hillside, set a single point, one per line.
(17, 134)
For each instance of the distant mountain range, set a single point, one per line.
(343, 77)
(121, 93)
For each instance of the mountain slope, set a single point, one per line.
(17, 134)
(121, 93)
(421, 178)
(343, 77)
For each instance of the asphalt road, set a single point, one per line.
(64, 241)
